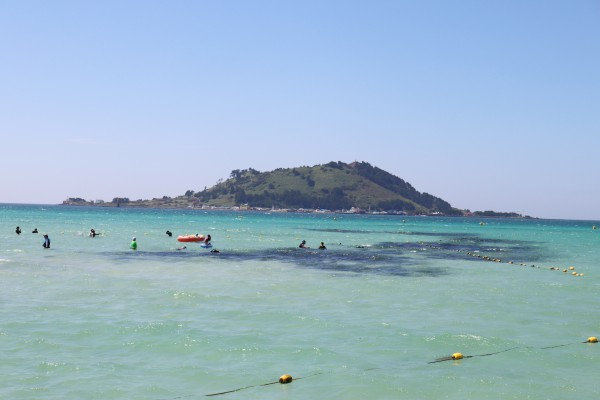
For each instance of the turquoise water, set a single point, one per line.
(90, 318)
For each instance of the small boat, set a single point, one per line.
(190, 238)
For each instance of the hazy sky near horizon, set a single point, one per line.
(490, 105)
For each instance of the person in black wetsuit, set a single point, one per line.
(18, 230)
(46, 243)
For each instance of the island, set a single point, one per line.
(339, 187)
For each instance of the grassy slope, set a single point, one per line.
(364, 193)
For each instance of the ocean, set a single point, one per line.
(377, 315)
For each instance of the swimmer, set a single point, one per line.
(169, 233)
(303, 245)
(322, 246)
(182, 248)
(215, 251)
(34, 231)
(46, 243)
(18, 230)
(93, 233)
(133, 245)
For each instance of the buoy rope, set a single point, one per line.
(460, 356)
(559, 345)
(591, 339)
(454, 357)
(482, 257)
(284, 379)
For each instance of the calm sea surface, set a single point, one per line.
(90, 318)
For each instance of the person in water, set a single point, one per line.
(207, 240)
(46, 243)
(93, 233)
(133, 245)
(18, 230)
(322, 246)
(34, 231)
(303, 245)
(169, 233)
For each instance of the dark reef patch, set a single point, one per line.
(384, 258)
(352, 260)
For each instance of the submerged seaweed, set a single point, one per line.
(356, 261)
(384, 258)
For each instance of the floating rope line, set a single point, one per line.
(283, 380)
(559, 345)
(286, 378)
(459, 356)
(482, 257)
(591, 339)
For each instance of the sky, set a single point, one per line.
(490, 105)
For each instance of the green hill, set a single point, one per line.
(332, 186)
(335, 186)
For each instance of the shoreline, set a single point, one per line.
(353, 211)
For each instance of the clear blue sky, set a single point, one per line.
(490, 105)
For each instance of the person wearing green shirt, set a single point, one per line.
(133, 244)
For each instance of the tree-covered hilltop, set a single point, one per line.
(332, 186)
(335, 186)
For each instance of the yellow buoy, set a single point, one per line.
(571, 268)
(457, 356)
(592, 339)
(285, 378)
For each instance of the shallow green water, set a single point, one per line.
(90, 318)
